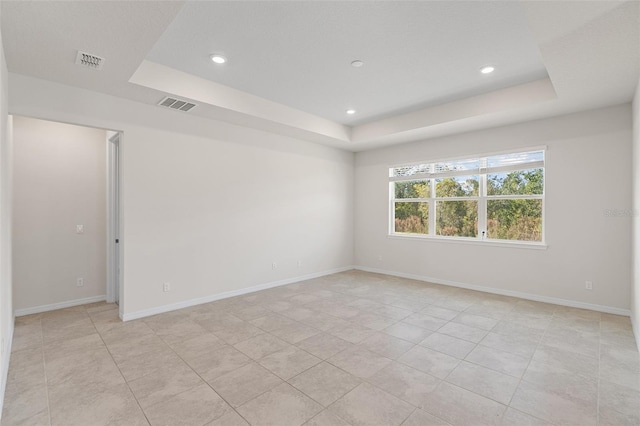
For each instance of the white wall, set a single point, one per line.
(635, 288)
(208, 206)
(59, 181)
(6, 308)
(588, 170)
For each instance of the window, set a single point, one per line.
(499, 197)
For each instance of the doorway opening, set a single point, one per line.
(66, 215)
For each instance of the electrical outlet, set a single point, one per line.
(79, 282)
(588, 285)
(274, 265)
(79, 229)
(166, 287)
(299, 263)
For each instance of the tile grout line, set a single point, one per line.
(232, 346)
(197, 374)
(119, 370)
(44, 367)
(362, 380)
(521, 379)
(302, 372)
(507, 405)
(460, 360)
(419, 344)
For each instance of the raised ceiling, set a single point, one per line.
(415, 54)
(289, 62)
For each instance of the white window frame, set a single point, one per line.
(481, 199)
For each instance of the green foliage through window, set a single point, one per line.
(514, 219)
(520, 182)
(412, 217)
(457, 218)
(413, 189)
(510, 194)
(457, 187)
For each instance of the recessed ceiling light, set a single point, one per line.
(218, 59)
(351, 111)
(487, 70)
(357, 63)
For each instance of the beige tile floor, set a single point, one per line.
(350, 348)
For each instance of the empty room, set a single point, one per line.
(318, 213)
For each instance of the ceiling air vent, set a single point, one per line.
(90, 61)
(178, 104)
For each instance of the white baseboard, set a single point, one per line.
(528, 296)
(60, 305)
(5, 365)
(227, 294)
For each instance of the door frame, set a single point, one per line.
(114, 222)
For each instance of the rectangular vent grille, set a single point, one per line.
(90, 61)
(174, 103)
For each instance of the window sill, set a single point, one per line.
(471, 241)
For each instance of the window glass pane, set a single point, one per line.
(410, 170)
(520, 182)
(456, 166)
(411, 217)
(514, 159)
(459, 186)
(457, 218)
(412, 189)
(514, 220)
(510, 179)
